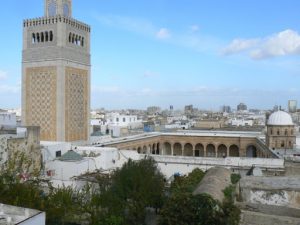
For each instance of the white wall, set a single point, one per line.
(8, 119)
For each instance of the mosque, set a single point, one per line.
(279, 135)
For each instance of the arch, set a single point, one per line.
(144, 149)
(82, 42)
(33, 38)
(139, 150)
(73, 38)
(210, 150)
(46, 36)
(37, 37)
(251, 151)
(157, 149)
(42, 37)
(278, 132)
(222, 151)
(177, 149)
(234, 151)
(70, 37)
(79, 41)
(153, 149)
(76, 40)
(51, 36)
(167, 150)
(188, 150)
(199, 150)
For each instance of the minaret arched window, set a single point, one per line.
(76, 40)
(51, 36)
(33, 38)
(38, 37)
(46, 36)
(42, 37)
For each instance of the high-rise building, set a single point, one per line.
(56, 74)
(241, 107)
(292, 105)
(226, 109)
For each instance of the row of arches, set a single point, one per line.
(42, 37)
(198, 150)
(76, 39)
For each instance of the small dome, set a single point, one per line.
(280, 118)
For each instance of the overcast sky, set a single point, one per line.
(174, 52)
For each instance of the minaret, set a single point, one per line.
(56, 74)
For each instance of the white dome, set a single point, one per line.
(280, 118)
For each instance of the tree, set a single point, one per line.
(184, 208)
(134, 187)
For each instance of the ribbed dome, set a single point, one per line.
(280, 118)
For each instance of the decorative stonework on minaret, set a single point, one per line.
(56, 74)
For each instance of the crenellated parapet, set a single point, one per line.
(54, 20)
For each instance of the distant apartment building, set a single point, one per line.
(188, 109)
(152, 110)
(292, 106)
(116, 124)
(241, 107)
(226, 109)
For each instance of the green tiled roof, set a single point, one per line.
(71, 156)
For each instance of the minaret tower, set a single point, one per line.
(56, 74)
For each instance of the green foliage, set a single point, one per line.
(184, 208)
(235, 178)
(188, 183)
(137, 185)
(229, 192)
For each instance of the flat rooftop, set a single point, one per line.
(190, 133)
(15, 215)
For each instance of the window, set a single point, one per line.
(282, 144)
(58, 154)
(292, 132)
(278, 132)
(33, 38)
(124, 119)
(285, 132)
(271, 131)
(46, 36)
(117, 119)
(51, 36)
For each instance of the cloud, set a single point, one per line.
(163, 33)
(284, 43)
(3, 75)
(189, 39)
(239, 45)
(136, 25)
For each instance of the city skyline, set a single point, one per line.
(169, 53)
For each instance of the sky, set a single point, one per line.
(173, 52)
